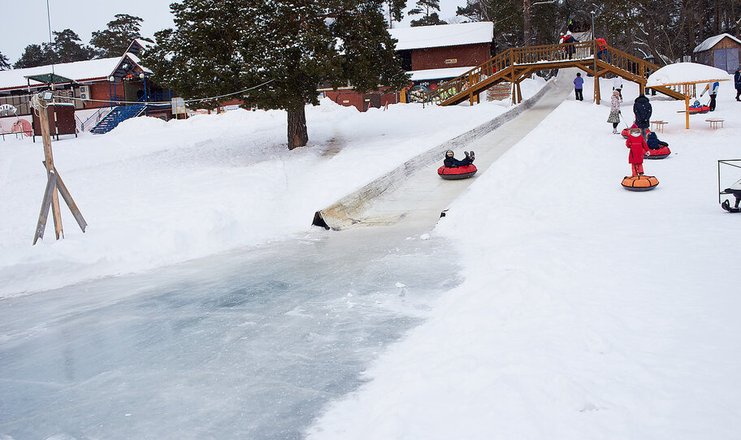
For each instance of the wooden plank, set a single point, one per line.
(51, 186)
(71, 203)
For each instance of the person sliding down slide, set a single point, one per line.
(451, 162)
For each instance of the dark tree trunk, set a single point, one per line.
(297, 134)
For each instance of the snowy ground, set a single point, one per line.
(587, 311)
(157, 193)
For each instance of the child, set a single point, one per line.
(654, 143)
(638, 148)
(578, 86)
(452, 162)
(713, 89)
(614, 117)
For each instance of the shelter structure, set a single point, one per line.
(686, 76)
(722, 51)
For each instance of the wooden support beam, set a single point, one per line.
(596, 90)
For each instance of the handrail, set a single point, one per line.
(501, 64)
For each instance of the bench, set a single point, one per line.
(658, 125)
(715, 122)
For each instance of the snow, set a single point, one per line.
(712, 41)
(680, 73)
(422, 37)
(587, 311)
(156, 193)
(429, 74)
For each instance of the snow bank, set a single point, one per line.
(157, 193)
(587, 311)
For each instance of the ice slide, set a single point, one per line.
(413, 194)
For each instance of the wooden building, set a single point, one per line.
(430, 55)
(88, 84)
(722, 51)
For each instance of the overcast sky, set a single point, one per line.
(86, 16)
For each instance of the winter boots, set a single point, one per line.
(470, 155)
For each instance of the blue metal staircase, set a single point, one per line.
(116, 116)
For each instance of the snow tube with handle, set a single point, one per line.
(640, 183)
(626, 132)
(699, 109)
(456, 173)
(659, 153)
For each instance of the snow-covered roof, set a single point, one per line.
(79, 71)
(686, 73)
(430, 74)
(712, 41)
(421, 37)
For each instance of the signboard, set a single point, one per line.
(178, 106)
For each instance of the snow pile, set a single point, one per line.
(682, 73)
(587, 311)
(157, 193)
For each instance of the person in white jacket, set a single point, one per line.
(614, 117)
(713, 89)
(617, 84)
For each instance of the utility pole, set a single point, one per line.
(54, 182)
(526, 21)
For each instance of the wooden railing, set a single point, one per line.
(501, 66)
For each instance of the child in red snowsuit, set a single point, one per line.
(638, 148)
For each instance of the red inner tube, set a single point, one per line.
(447, 171)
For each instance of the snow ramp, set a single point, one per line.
(414, 194)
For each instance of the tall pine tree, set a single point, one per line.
(36, 55)
(113, 41)
(429, 10)
(4, 62)
(67, 47)
(222, 46)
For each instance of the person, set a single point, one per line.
(713, 89)
(451, 162)
(638, 149)
(654, 143)
(578, 87)
(737, 82)
(617, 84)
(614, 117)
(642, 111)
(569, 39)
(602, 49)
(735, 190)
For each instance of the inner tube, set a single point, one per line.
(659, 153)
(640, 183)
(699, 109)
(457, 173)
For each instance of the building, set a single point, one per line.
(88, 84)
(430, 55)
(722, 51)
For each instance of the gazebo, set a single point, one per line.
(686, 76)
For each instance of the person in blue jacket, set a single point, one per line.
(642, 110)
(654, 143)
(737, 83)
(451, 162)
(578, 87)
(713, 89)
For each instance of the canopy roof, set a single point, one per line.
(686, 73)
(49, 78)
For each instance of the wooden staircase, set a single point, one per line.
(516, 64)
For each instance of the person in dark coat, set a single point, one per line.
(737, 83)
(451, 162)
(642, 110)
(654, 143)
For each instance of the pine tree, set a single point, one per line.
(4, 62)
(36, 55)
(67, 47)
(222, 46)
(427, 9)
(113, 41)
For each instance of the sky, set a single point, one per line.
(86, 16)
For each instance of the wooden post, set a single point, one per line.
(519, 93)
(686, 111)
(49, 161)
(597, 94)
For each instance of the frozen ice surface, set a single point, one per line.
(250, 344)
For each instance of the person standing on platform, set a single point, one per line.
(713, 89)
(578, 86)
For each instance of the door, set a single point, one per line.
(719, 58)
(732, 60)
